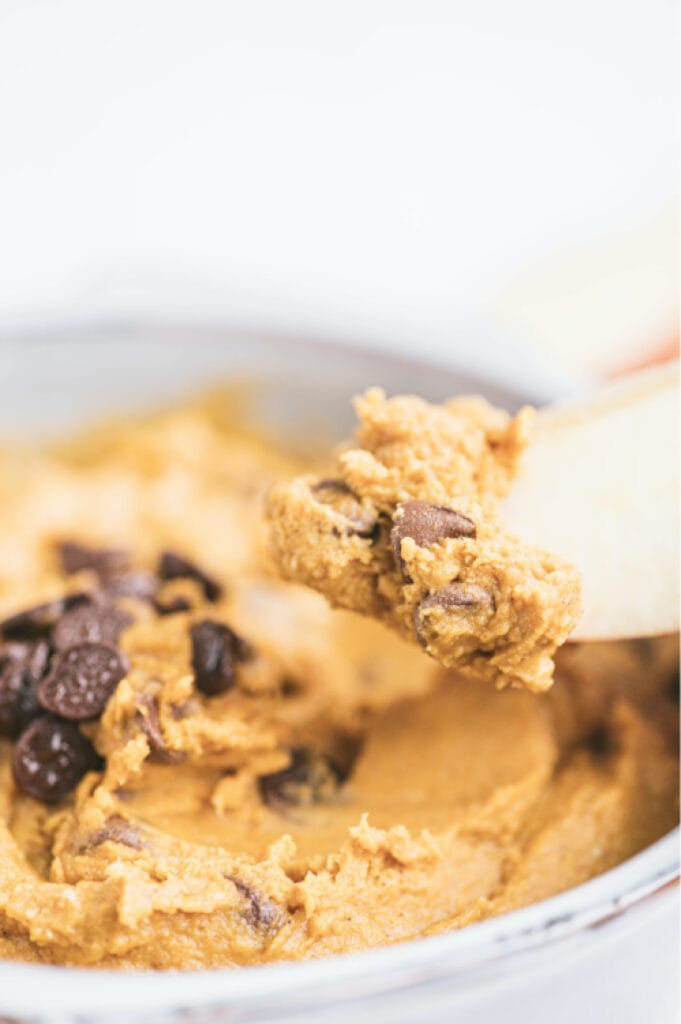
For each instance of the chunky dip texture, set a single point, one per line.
(408, 531)
(202, 765)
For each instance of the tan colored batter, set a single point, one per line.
(412, 800)
(407, 530)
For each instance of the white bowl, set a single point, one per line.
(607, 950)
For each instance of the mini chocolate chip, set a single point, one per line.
(115, 830)
(148, 717)
(76, 557)
(23, 666)
(427, 524)
(172, 567)
(51, 757)
(452, 596)
(39, 621)
(82, 680)
(100, 623)
(15, 650)
(215, 650)
(310, 778)
(262, 912)
(343, 500)
(137, 583)
(173, 606)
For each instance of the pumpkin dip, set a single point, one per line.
(202, 765)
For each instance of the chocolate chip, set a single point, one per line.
(100, 623)
(343, 500)
(173, 567)
(115, 830)
(82, 680)
(39, 621)
(148, 717)
(34, 654)
(261, 912)
(104, 561)
(215, 651)
(137, 583)
(427, 524)
(452, 596)
(346, 750)
(51, 757)
(457, 595)
(22, 666)
(310, 778)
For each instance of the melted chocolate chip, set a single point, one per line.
(427, 524)
(173, 567)
(100, 623)
(454, 596)
(50, 758)
(39, 621)
(22, 666)
(215, 651)
(104, 561)
(148, 717)
(115, 830)
(310, 778)
(261, 912)
(82, 680)
(343, 500)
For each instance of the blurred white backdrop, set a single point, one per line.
(384, 167)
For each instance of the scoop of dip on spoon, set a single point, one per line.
(489, 539)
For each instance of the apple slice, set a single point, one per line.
(600, 486)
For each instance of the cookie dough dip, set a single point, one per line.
(203, 765)
(408, 531)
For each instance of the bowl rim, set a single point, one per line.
(649, 878)
(69, 325)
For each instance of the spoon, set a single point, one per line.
(599, 485)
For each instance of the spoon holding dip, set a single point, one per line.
(411, 528)
(599, 485)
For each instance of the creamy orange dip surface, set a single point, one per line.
(259, 777)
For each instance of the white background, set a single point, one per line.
(365, 165)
